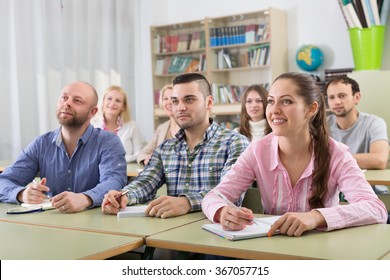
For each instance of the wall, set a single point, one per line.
(375, 97)
(318, 22)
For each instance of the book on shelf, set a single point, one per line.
(167, 63)
(250, 33)
(223, 94)
(252, 231)
(262, 31)
(331, 73)
(159, 66)
(174, 41)
(193, 66)
(196, 38)
(156, 94)
(184, 42)
(202, 62)
(132, 211)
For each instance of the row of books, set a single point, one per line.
(332, 73)
(225, 94)
(257, 56)
(365, 13)
(180, 64)
(228, 94)
(179, 42)
(241, 34)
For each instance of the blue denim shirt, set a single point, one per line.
(96, 166)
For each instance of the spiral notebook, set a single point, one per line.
(251, 231)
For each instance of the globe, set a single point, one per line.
(309, 57)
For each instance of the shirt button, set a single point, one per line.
(189, 165)
(69, 189)
(210, 169)
(187, 184)
(69, 171)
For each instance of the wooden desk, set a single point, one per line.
(28, 242)
(133, 169)
(378, 177)
(387, 257)
(366, 242)
(94, 221)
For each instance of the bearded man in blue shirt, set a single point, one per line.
(78, 163)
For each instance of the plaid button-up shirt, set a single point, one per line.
(188, 173)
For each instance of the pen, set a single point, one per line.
(36, 183)
(230, 203)
(117, 196)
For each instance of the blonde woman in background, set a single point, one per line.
(253, 123)
(165, 130)
(115, 117)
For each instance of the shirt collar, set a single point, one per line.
(275, 161)
(210, 131)
(119, 122)
(83, 139)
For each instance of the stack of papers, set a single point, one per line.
(252, 231)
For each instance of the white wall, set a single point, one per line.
(318, 22)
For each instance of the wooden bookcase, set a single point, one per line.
(232, 51)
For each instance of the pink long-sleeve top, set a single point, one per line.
(261, 161)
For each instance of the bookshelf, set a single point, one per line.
(233, 52)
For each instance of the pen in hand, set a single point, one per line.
(36, 183)
(117, 197)
(224, 198)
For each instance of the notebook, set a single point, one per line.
(251, 231)
(46, 205)
(132, 211)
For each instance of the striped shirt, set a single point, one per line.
(188, 173)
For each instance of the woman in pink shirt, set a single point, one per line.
(299, 169)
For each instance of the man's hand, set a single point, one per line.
(70, 202)
(34, 193)
(168, 206)
(113, 201)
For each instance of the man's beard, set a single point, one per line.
(343, 114)
(74, 122)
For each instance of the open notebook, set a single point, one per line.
(252, 231)
(46, 205)
(132, 211)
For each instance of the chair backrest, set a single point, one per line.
(252, 200)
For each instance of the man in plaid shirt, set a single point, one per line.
(191, 163)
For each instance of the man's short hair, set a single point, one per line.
(204, 85)
(344, 80)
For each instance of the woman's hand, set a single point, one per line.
(295, 224)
